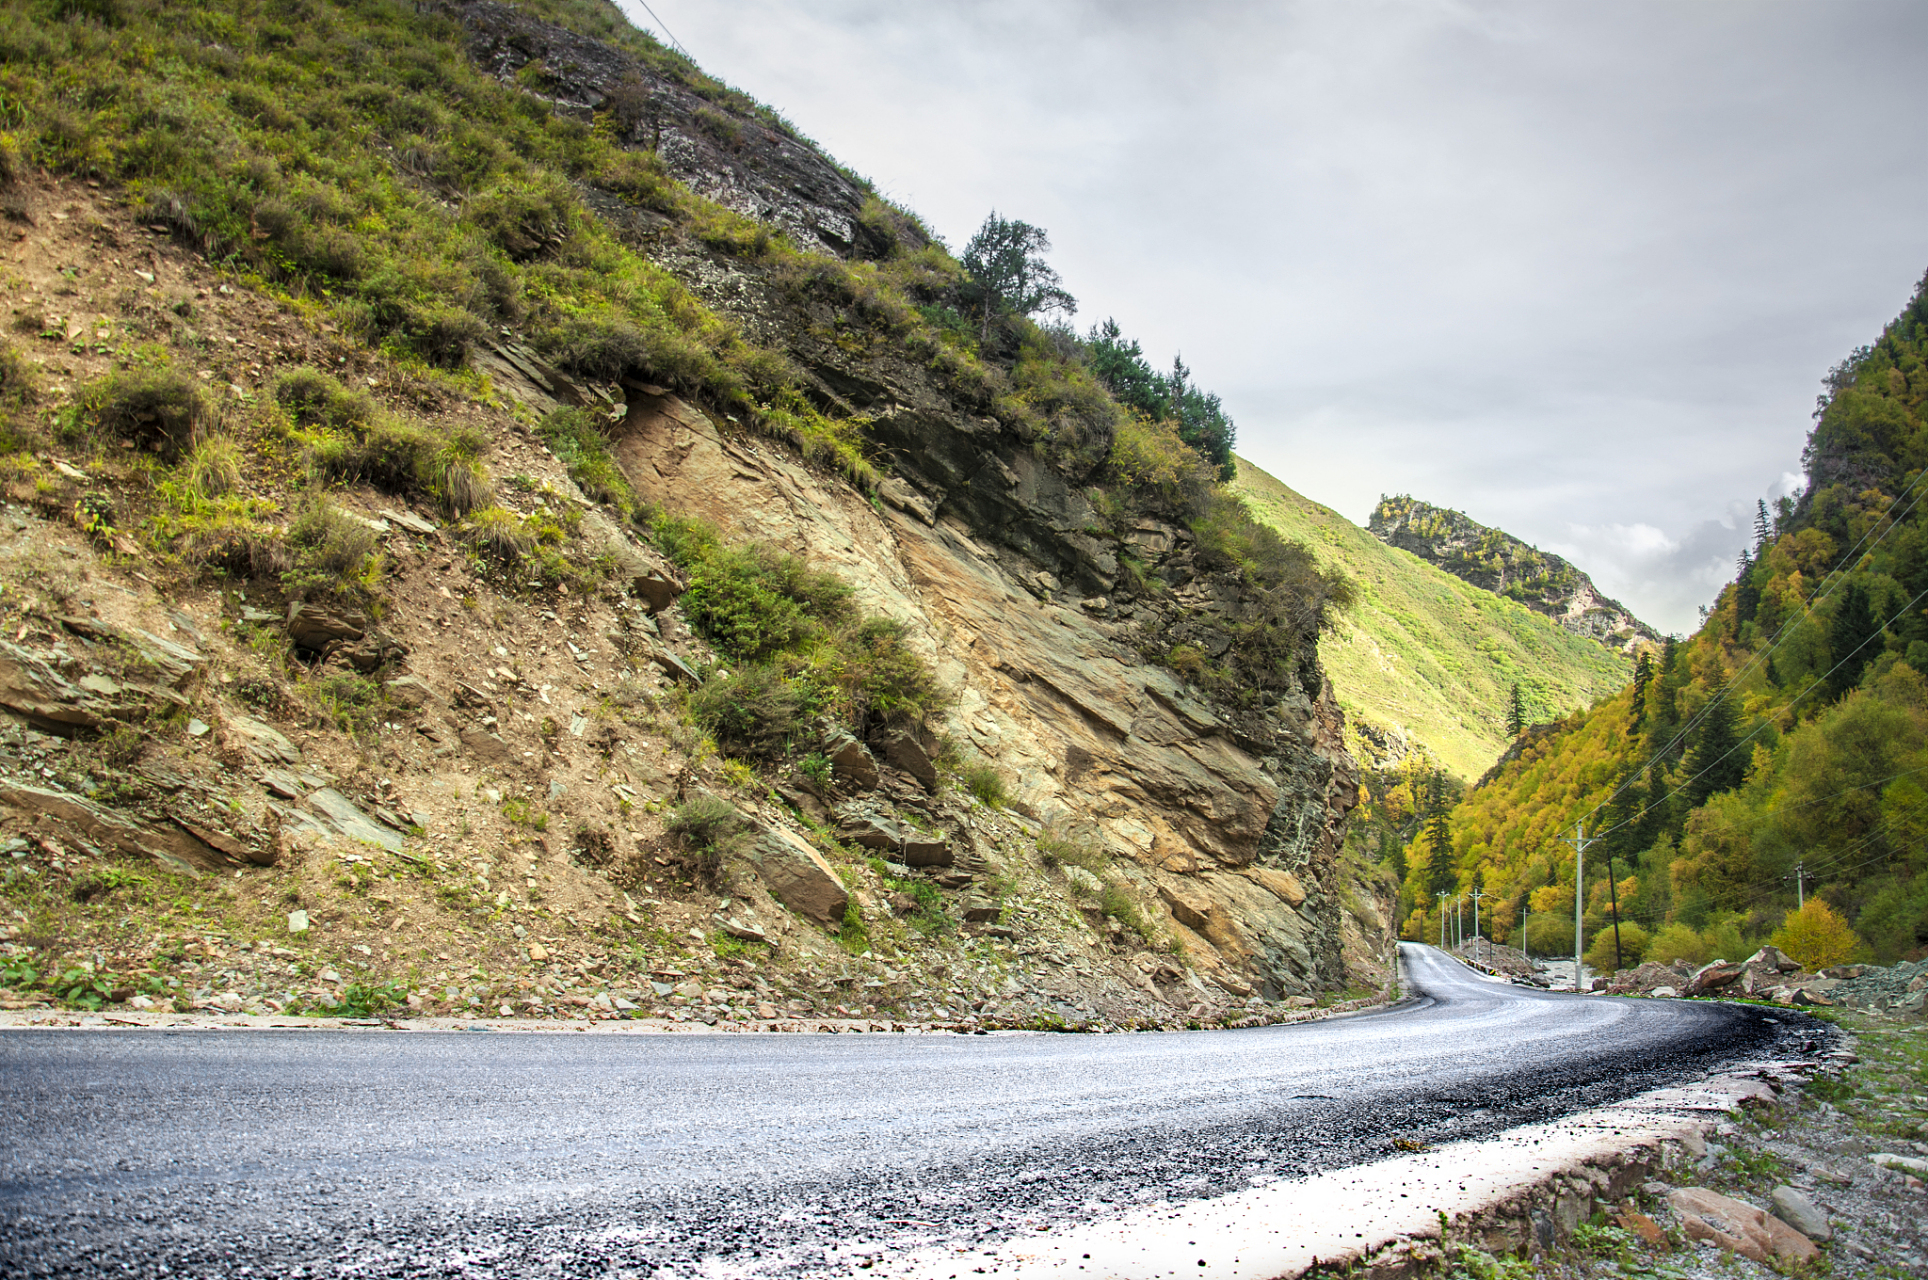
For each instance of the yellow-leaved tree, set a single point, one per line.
(1817, 936)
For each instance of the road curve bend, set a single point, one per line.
(202, 1152)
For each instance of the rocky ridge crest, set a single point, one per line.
(1493, 560)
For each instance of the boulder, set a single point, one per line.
(904, 751)
(115, 830)
(372, 652)
(922, 850)
(914, 848)
(411, 691)
(1712, 977)
(485, 745)
(870, 831)
(340, 814)
(1738, 1226)
(656, 589)
(313, 625)
(1664, 993)
(852, 762)
(1774, 958)
(174, 662)
(981, 911)
(798, 876)
(1799, 1212)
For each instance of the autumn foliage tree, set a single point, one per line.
(1817, 935)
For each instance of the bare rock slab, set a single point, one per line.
(1737, 1226)
(798, 876)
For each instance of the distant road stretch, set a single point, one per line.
(142, 1153)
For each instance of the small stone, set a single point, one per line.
(697, 934)
(297, 922)
(328, 975)
(623, 1006)
(197, 728)
(538, 952)
(1799, 1212)
(1644, 1227)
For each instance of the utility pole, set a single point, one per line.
(1800, 884)
(1459, 927)
(1580, 843)
(1477, 895)
(1442, 919)
(1613, 895)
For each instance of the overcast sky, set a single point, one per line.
(1574, 269)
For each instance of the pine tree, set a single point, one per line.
(1716, 762)
(1762, 529)
(1515, 714)
(1441, 877)
(1643, 675)
(1850, 640)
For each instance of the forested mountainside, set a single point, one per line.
(1782, 749)
(1425, 664)
(1494, 560)
(498, 521)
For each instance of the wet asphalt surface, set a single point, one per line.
(309, 1153)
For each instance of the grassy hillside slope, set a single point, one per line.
(1426, 653)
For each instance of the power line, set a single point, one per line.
(1765, 720)
(674, 42)
(1784, 633)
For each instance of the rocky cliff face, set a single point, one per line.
(994, 555)
(1495, 561)
(480, 762)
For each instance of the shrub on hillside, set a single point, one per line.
(333, 555)
(1633, 947)
(1677, 944)
(159, 409)
(1818, 936)
(751, 711)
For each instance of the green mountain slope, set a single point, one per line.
(1425, 655)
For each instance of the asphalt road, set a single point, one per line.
(471, 1154)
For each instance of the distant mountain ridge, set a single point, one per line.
(1494, 560)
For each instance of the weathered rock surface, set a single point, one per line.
(852, 763)
(799, 877)
(1794, 1208)
(1058, 695)
(314, 626)
(1737, 1226)
(113, 829)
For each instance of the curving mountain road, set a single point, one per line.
(377, 1153)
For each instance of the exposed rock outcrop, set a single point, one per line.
(1495, 561)
(1187, 798)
